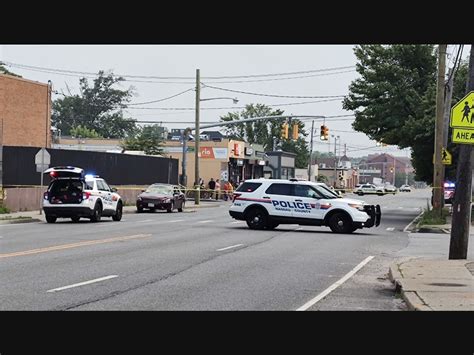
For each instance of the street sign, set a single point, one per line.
(462, 114)
(39, 158)
(463, 136)
(40, 168)
(446, 157)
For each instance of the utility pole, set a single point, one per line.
(197, 199)
(438, 166)
(311, 152)
(394, 169)
(462, 197)
(184, 178)
(335, 160)
(447, 112)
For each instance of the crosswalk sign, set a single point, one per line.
(462, 114)
(446, 157)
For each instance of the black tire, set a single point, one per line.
(97, 213)
(360, 193)
(182, 207)
(75, 219)
(118, 213)
(51, 219)
(256, 218)
(340, 223)
(139, 209)
(272, 225)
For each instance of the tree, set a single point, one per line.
(4, 70)
(149, 139)
(97, 108)
(84, 132)
(322, 178)
(265, 131)
(394, 99)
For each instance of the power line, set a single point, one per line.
(272, 95)
(159, 100)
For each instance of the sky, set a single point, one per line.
(213, 61)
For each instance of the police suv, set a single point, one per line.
(71, 194)
(265, 204)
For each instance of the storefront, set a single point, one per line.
(281, 165)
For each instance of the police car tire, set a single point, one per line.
(334, 223)
(97, 213)
(75, 219)
(260, 215)
(118, 213)
(50, 219)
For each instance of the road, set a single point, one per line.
(202, 260)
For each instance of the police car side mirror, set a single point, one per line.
(114, 189)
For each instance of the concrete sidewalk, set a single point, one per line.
(35, 216)
(434, 284)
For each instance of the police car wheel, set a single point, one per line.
(97, 214)
(75, 219)
(340, 223)
(118, 213)
(50, 219)
(256, 219)
(272, 225)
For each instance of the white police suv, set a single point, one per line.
(266, 203)
(71, 194)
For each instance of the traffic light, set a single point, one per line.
(391, 169)
(324, 133)
(341, 177)
(284, 131)
(295, 131)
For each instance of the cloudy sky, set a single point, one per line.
(317, 71)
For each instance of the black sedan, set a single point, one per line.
(161, 197)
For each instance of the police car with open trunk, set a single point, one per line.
(266, 203)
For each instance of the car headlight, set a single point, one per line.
(356, 206)
(166, 200)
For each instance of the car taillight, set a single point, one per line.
(46, 195)
(85, 195)
(235, 196)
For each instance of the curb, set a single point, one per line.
(414, 302)
(17, 221)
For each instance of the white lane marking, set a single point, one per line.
(334, 285)
(390, 229)
(175, 220)
(236, 222)
(18, 224)
(232, 246)
(146, 220)
(409, 224)
(83, 283)
(206, 221)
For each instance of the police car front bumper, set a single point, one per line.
(375, 214)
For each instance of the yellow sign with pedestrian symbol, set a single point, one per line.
(462, 114)
(463, 136)
(446, 157)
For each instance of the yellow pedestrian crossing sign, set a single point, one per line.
(446, 157)
(462, 114)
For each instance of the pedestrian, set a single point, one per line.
(218, 189)
(226, 190)
(212, 186)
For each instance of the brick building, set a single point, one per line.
(25, 112)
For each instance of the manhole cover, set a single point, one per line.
(447, 284)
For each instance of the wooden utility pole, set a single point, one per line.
(438, 166)
(447, 112)
(197, 153)
(462, 197)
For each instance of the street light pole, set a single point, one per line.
(48, 92)
(197, 197)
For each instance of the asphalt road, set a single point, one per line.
(201, 260)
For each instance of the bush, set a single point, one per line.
(429, 217)
(3, 210)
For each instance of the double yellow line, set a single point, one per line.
(72, 245)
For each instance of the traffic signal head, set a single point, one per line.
(324, 136)
(284, 131)
(391, 169)
(321, 135)
(295, 131)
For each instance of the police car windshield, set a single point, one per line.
(325, 192)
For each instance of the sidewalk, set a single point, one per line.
(425, 276)
(35, 216)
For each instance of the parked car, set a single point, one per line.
(369, 189)
(71, 194)
(390, 189)
(405, 188)
(161, 197)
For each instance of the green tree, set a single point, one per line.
(323, 178)
(84, 132)
(4, 70)
(149, 139)
(98, 107)
(394, 99)
(265, 131)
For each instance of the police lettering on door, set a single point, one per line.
(303, 207)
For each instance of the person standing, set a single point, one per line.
(212, 187)
(218, 189)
